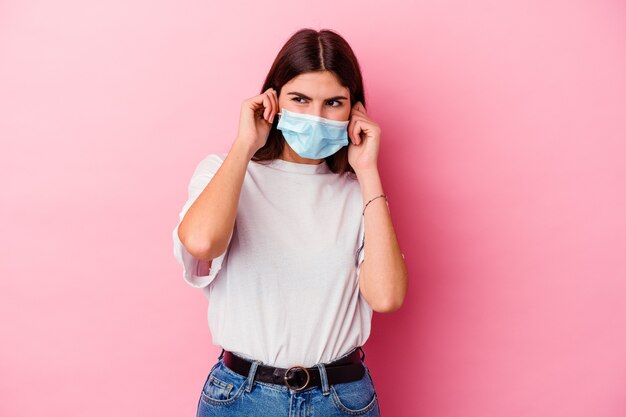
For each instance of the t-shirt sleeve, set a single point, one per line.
(361, 247)
(196, 272)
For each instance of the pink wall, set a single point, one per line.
(503, 125)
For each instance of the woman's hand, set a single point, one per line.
(256, 118)
(364, 136)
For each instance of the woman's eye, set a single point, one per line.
(297, 100)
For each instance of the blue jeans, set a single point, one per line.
(226, 393)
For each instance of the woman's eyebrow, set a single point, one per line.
(309, 98)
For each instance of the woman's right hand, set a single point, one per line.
(256, 119)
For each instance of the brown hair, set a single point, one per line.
(309, 50)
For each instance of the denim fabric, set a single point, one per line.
(226, 393)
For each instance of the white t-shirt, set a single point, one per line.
(286, 291)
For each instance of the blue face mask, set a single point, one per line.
(312, 136)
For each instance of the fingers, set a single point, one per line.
(265, 105)
(254, 105)
(358, 108)
(274, 98)
(350, 126)
(358, 121)
(355, 131)
(270, 102)
(354, 128)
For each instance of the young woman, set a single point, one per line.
(274, 234)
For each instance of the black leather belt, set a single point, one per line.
(346, 369)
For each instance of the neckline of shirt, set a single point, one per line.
(290, 166)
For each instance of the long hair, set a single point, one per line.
(310, 50)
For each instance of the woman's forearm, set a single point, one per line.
(208, 223)
(383, 275)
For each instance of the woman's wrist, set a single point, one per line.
(371, 184)
(366, 172)
(243, 148)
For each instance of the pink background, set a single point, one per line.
(503, 147)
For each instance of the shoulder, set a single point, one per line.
(210, 163)
(213, 158)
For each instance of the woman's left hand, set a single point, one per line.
(364, 135)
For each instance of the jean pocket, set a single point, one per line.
(355, 397)
(223, 386)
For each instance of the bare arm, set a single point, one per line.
(383, 278)
(206, 236)
(208, 223)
